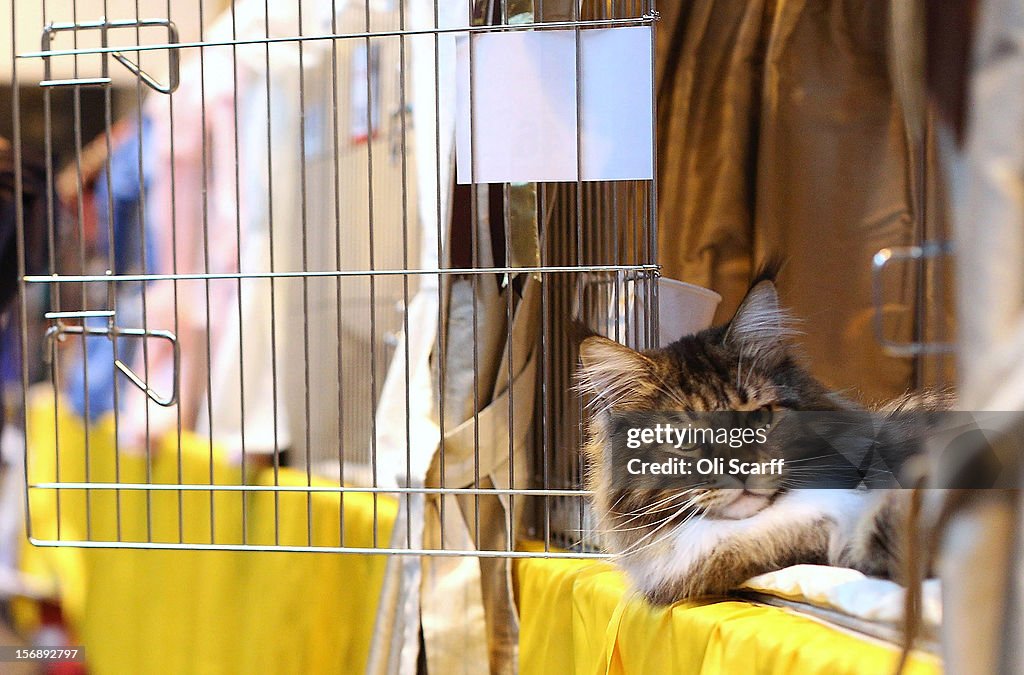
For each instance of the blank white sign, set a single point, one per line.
(521, 109)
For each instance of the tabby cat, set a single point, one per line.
(684, 543)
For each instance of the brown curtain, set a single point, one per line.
(779, 133)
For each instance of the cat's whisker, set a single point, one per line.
(644, 508)
(618, 529)
(689, 504)
(626, 493)
(634, 549)
(635, 546)
(676, 510)
(807, 459)
(669, 507)
(812, 469)
(649, 510)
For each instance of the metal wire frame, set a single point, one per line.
(645, 20)
(363, 550)
(602, 232)
(540, 269)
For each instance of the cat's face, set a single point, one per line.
(744, 365)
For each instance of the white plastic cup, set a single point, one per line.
(616, 308)
(683, 309)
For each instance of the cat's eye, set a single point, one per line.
(764, 414)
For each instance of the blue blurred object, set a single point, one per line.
(120, 208)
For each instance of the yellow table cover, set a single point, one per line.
(173, 611)
(580, 617)
(227, 612)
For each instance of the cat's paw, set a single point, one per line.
(876, 545)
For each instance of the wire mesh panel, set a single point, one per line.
(272, 316)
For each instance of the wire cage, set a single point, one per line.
(272, 319)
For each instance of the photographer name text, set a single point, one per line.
(705, 467)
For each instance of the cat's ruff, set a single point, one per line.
(676, 552)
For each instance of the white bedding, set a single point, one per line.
(848, 592)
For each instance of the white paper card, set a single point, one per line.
(615, 104)
(523, 107)
(524, 117)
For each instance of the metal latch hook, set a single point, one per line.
(881, 260)
(104, 26)
(58, 332)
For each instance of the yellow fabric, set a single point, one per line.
(579, 617)
(143, 611)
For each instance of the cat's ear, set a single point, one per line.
(761, 327)
(611, 371)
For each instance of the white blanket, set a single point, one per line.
(849, 592)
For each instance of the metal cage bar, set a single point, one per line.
(293, 213)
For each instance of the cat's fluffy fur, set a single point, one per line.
(685, 544)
